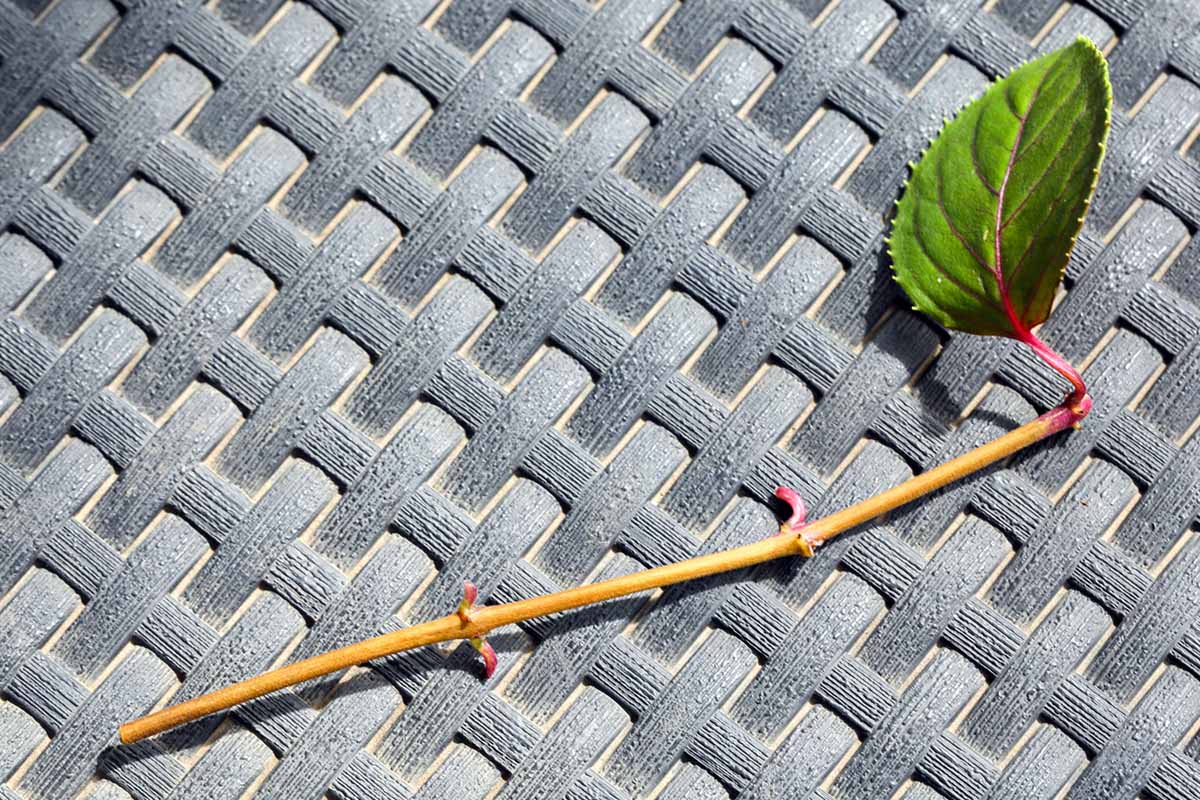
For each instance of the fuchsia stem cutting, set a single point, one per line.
(472, 623)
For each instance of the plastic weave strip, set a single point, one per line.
(312, 311)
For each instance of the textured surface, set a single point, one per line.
(313, 310)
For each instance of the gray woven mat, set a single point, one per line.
(314, 310)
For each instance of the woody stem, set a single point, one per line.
(486, 619)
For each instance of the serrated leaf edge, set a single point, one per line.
(1091, 192)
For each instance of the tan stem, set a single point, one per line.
(488, 618)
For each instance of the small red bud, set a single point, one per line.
(470, 593)
(488, 653)
(796, 504)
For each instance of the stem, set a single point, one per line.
(482, 620)
(1078, 400)
(1048, 424)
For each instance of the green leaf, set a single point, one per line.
(990, 214)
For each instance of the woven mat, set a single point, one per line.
(314, 310)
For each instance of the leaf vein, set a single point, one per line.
(917, 234)
(1001, 285)
(975, 158)
(1010, 103)
(1049, 213)
(1045, 173)
(941, 202)
(1037, 136)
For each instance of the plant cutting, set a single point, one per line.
(980, 240)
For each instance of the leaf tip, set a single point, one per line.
(1090, 46)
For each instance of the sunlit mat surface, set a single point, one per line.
(314, 310)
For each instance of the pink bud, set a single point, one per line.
(795, 503)
(488, 653)
(468, 602)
